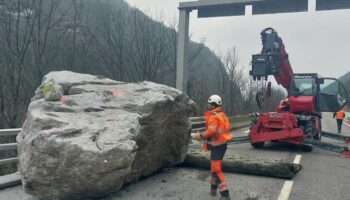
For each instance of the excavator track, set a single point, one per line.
(307, 144)
(335, 136)
(344, 151)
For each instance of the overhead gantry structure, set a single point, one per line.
(222, 8)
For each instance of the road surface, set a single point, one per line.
(325, 176)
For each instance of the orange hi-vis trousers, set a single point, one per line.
(217, 176)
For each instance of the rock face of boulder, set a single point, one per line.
(101, 135)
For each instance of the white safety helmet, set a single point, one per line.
(215, 99)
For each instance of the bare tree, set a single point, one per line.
(149, 47)
(16, 33)
(250, 92)
(231, 82)
(112, 41)
(74, 29)
(104, 37)
(30, 32)
(49, 31)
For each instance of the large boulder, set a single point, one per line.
(100, 135)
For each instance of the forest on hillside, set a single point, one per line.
(345, 79)
(108, 38)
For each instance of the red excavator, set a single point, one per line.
(298, 117)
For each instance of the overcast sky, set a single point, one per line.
(315, 41)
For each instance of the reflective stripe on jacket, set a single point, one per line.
(217, 127)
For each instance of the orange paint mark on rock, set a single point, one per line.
(117, 91)
(62, 99)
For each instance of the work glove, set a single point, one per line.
(198, 136)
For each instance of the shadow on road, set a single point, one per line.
(285, 147)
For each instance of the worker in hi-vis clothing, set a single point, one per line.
(339, 116)
(215, 138)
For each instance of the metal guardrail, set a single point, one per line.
(197, 124)
(8, 160)
(8, 146)
(9, 132)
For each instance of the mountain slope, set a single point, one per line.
(105, 37)
(345, 79)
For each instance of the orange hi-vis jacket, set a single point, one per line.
(340, 114)
(217, 127)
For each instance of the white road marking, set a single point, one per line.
(286, 189)
(297, 159)
(347, 124)
(288, 185)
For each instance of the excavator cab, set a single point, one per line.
(304, 85)
(310, 93)
(332, 95)
(303, 93)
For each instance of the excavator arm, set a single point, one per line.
(273, 60)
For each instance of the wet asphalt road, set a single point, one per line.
(325, 176)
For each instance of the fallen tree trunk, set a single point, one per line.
(245, 165)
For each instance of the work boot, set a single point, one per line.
(213, 190)
(225, 195)
(225, 198)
